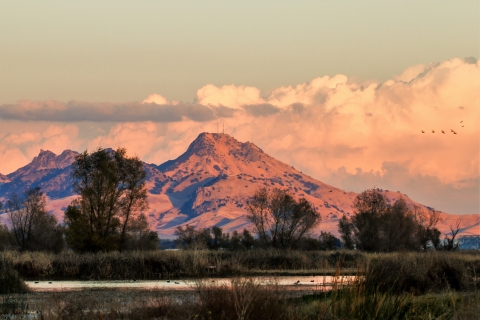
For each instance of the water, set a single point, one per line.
(287, 281)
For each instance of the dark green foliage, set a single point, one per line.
(33, 229)
(345, 228)
(377, 226)
(326, 241)
(241, 241)
(107, 216)
(6, 240)
(190, 238)
(280, 220)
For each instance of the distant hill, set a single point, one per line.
(207, 185)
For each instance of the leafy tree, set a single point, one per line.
(241, 241)
(139, 237)
(33, 229)
(189, 238)
(345, 228)
(220, 239)
(427, 221)
(379, 226)
(279, 219)
(5, 240)
(328, 241)
(112, 196)
(369, 209)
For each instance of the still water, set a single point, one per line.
(177, 284)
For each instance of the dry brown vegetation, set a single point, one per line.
(426, 285)
(154, 265)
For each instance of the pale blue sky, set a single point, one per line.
(119, 51)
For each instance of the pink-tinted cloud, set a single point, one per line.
(17, 149)
(349, 134)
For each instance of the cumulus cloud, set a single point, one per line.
(349, 134)
(155, 98)
(229, 95)
(18, 149)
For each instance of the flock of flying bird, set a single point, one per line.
(433, 131)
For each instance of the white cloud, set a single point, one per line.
(155, 98)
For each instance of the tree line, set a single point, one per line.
(108, 214)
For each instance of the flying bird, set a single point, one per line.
(461, 121)
(454, 132)
(423, 131)
(451, 130)
(433, 131)
(443, 132)
(463, 126)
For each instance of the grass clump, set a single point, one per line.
(422, 273)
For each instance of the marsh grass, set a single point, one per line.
(176, 264)
(425, 285)
(245, 299)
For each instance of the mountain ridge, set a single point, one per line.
(209, 184)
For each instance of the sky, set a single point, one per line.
(339, 89)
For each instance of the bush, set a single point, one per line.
(420, 273)
(10, 281)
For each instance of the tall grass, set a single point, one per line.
(168, 264)
(246, 299)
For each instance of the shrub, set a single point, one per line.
(419, 273)
(10, 281)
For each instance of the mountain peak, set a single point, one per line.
(46, 160)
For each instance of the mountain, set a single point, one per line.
(207, 185)
(3, 179)
(47, 170)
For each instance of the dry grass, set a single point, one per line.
(242, 299)
(169, 264)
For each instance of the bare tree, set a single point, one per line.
(32, 227)
(451, 243)
(279, 219)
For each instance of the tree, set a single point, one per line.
(427, 221)
(345, 228)
(139, 237)
(369, 208)
(112, 195)
(450, 243)
(33, 229)
(189, 238)
(241, 241)
(279, 219)
(399, 230)
(328, 241)
(5, 239)
(378, 226)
